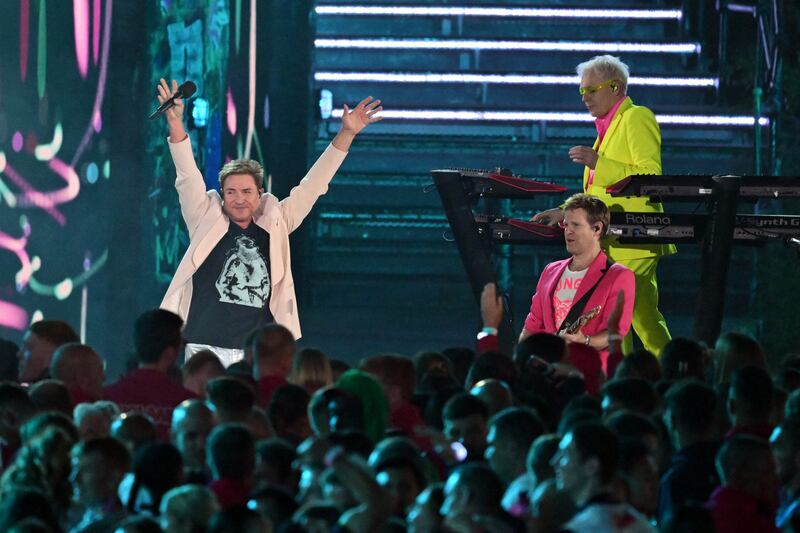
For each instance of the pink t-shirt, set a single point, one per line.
(602, 124)
(565, 291)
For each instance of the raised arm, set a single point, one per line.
(189, 181)
(173, 115)
(356, 119)
(302, 197)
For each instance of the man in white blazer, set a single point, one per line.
(236, 274)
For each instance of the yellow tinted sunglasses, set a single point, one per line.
(594, 88)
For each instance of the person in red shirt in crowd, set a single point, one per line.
(231, 455)
(747, 500)
(148, 389)
(273, 353)
(81, 369)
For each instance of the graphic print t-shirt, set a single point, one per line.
(231, 289)
(565, 293)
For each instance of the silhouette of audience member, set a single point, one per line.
(785, 444)
(51, 395)
(631, 394)
(640, 364)
(275, 464)
(638, 472)
(288, 413)
(277, 506)
(492, 365)
(199, 369)
(192, 422)
(98, 466)
(690, 408)
(9, 361)
(157, 468)
(38, 344)
(135, 430)
(188, 508)
(511, 434)
(311, 370)
(94, 419)
(733, 351)
(424, 514)
(43, 462)
(239, 519)
(81, 369)
(683, 358)
(273, 354)
(465, 421)
(750, 402)
(374, 405)
(747, 499)
(494, 393)
(232, 473)
(23, 503)
(148, 389)
(550, 507)
(461, 360)
(472, 500)
(396, 375)
(585, 466)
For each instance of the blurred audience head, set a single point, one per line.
(187, 509)
(288, 413)
(465, 420)
(734, 351)
(38, 344)
(311, 370)
(226, 465)
(683, 358)
(199, 369)
(511, 433)
(81, 369)
(158, 339)
(273, 351)
(192, 422)
(495, 393)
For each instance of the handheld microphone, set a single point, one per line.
(186, 90)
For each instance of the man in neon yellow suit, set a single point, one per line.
(628, 142)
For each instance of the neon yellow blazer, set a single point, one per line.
(632, 145)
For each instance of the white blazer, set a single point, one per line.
(207, 224)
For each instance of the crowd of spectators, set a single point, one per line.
(548, 438)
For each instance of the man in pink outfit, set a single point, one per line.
(571, 287)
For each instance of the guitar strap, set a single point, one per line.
(578, 307)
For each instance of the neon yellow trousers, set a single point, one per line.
(648, 322)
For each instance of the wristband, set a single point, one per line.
(486, 332)
(588, 339)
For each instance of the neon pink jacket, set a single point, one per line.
(618, 278)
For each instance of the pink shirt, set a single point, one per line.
(602, 124)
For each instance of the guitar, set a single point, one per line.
(581, 321)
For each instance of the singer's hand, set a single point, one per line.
(356, 119)
(584, 155)
(175, 113)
